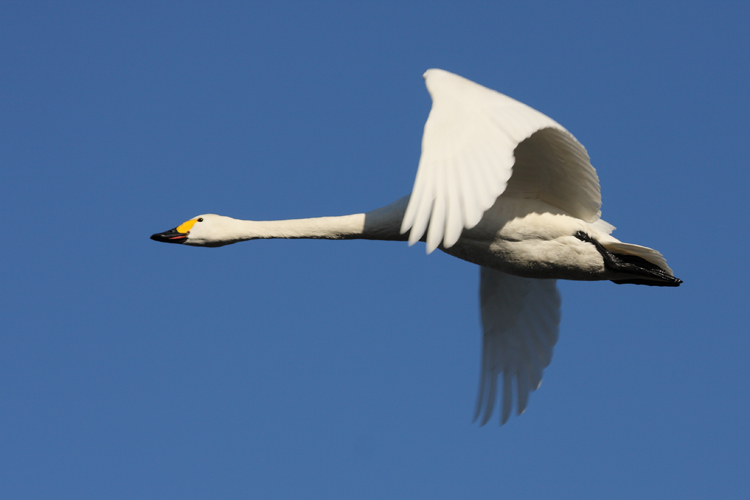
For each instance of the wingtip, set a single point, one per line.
(506, 414)
(451, 237)
(405, 226)
(412, 239)
(485, 418)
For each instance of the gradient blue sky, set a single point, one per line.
(326, 370)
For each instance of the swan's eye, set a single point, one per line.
(200, 219)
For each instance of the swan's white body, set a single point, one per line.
(505, 187)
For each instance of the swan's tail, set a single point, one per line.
(645, 253)
(639, 265)
(648, 266)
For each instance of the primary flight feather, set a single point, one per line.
(503, 186)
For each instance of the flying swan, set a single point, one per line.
(503, 186)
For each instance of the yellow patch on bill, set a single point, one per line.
(186, 226)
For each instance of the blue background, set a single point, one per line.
(324, 370)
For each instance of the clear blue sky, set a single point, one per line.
(342, 370)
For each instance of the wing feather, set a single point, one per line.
(454, 219)
(520, 318)
(473, 140)
(435, 231)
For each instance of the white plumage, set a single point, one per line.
(505, 187)
(468, 156)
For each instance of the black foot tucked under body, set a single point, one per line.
(631, 264)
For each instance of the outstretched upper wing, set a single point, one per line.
(474, 139)
(520, 318)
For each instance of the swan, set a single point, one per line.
(505, 187)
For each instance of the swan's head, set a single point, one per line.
(207, 230)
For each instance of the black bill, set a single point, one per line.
(171, 236)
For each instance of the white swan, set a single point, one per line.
(505, 187)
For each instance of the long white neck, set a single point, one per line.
(380, 224)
